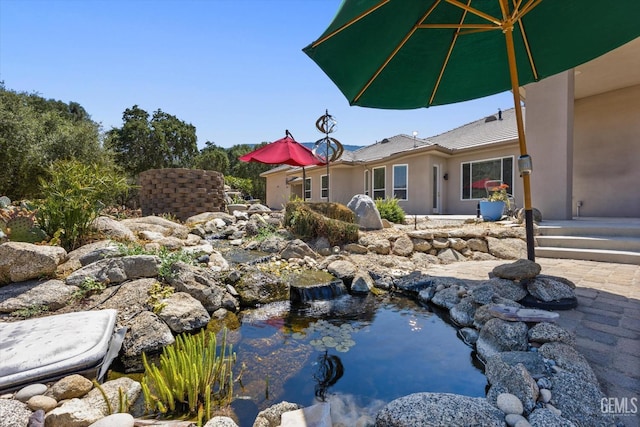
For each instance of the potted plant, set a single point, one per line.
(492, 208)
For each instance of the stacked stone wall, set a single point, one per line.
(181, 192)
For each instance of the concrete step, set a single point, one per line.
(602, 255)
(613, 243)
(615, 240)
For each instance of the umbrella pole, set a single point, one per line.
(304, 185)
(526, 177)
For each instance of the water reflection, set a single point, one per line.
(329, 371)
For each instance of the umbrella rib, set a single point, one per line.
(349, 23)
(395, 51)
(527, 47)
(476, 12)
(446, 59)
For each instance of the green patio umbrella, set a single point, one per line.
(404, 54)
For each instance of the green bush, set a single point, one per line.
(243, 185)
(304, 222)
(390, 210)
(74, 195)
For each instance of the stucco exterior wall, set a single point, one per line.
(607, 154)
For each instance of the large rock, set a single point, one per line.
(183, 313)
(258, 287)
(439, 409)
(129, 298)
(53, 294)
(271, 417)
(21, 261)
(521, 269)
(146, 333)
(203, 285)
(549, 332)
(548, 288)
(342, 269)
(297, 249)
(156, 224)
(13, 413)
(112, 271)
(367, 215)
(113, 229)
(515, 380)
(79, 257)
(569, 359)
(545, 417)
(403, 246)
(579, 401)
(499, 335)
(508, 248)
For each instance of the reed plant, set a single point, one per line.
(193, 374)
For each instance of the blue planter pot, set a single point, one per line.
(491, 211)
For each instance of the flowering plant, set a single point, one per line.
(499, 194)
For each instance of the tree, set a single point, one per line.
(213, 158)
(250, 170)
(142, 144)
(35, 132)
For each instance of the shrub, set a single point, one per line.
(390, 210)
(191, 373)
(74, 195)
(301, 220)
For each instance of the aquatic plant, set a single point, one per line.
(192, 374)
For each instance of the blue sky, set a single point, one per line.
(233, 68)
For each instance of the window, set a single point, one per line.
(367, 183)
(400, 173)
(307, 188)
(475, 174)
(379, 190)
(324, 186)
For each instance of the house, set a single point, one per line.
(583, 133)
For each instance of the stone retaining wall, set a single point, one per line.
(181, 192)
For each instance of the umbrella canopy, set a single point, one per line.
(404, 54)
(285, 151)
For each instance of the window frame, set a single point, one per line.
(307, 193)
(406, 183)
(502, 177)
(324, 191)
(383, 189)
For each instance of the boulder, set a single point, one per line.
(156, 224)
(342, 269)
(53, 294)
(271, 417)
(258, 287)
(146, 333)
(499, 335)
(13, 413)
(366, 212)
(203, 285)
(297, 249)
(403, 246)
(549, 332)
(569, 359)
(20, 261)
(183, 313)
(519, 270)
(113, 229)
(462, 313)
(362, 283)
(579, 401)
(73, 258)
(508, 248)
(548, 288)
(516, 381)
(111, 271)
(439, 409)
(543, 417)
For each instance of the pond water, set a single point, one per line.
(358, 352)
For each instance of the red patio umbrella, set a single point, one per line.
(285, 151)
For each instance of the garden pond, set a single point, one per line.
(358, 351)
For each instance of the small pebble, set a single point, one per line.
(509, 404)
(545, 395)
(512, 419)
(45, 403)
(29, 391)
(544, 383)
